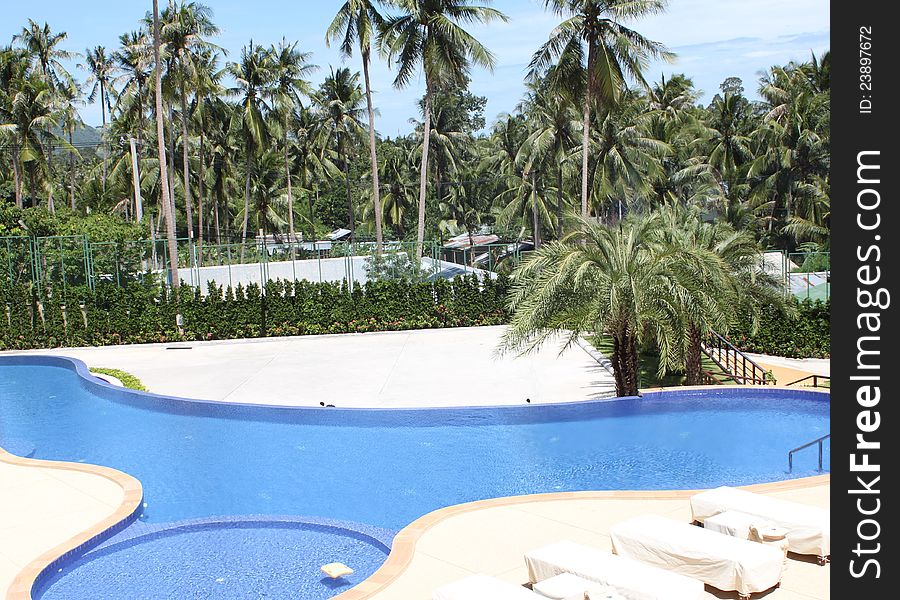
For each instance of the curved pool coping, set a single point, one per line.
(140, 533)
(121, 517)
(403, 544)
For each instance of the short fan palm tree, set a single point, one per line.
(623, 282)
(736, 279)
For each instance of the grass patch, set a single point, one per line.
(649, 363)
(127, 379)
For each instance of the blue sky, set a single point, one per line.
(714, 39)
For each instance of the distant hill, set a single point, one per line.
(85, 136)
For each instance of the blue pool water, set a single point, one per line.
(227, 561)
(386, 468)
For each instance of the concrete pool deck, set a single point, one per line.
(492, 536)
(434, 367)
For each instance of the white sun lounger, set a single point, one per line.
(631, 579)
(485, 587)
(808, 527)
(722, 561)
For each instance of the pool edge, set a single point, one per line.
(24, 581)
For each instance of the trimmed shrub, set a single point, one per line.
(806, 335)
(140, 313)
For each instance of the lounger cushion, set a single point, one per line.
(724, 562)
(809, 527)
(483, 587)
(631, 579)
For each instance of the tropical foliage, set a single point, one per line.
(580, 141)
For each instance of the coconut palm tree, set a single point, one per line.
(552, 125)
(428, 34)
(185, 32)
(165, 201)
(13, 67)
(33, 116)
(253, 76)
(70, 99)
(42, 46)
(339, 102)
(102, 69)
(593, 37)
(619, 281)
(291, 68)
(207, 83)
(357, 23)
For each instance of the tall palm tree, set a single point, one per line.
(175, 281)
(357, 21)
(184, 34)
(70, 99)
(621, 282)
(253, 77)
(593, 36)
(521, 197)
(207, 87)
(34, 115)
(102, 69)
(340, 106)
(13, 67)
(291, 68)
(43, 46)
(428, 34)
(550, 118)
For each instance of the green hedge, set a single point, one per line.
(140, 313)
(806, 335)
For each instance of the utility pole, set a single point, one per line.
(138, 204)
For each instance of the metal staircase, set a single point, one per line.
(737, 365)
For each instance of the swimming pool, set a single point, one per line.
(387, 467)
(225, 559)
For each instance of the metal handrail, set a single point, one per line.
(818, 441)
(815, 379)
(731, 365)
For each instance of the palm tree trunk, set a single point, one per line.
(626, 369)
(216, 222)
(287, 176)
(201, 192)
(71, 173)
(50, 204)
(423, 176)
(246, 202)
(186, 165)
(103, 113)
(161, 149)
(32, 184)
(586, 131)
(349, 199)
(535, 213)
(171, 179)
(17, 174)
(692, 363)
(376, 190)
(559, 203)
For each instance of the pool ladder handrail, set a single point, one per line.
(818, 441)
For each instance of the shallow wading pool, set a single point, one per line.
(385, 468)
